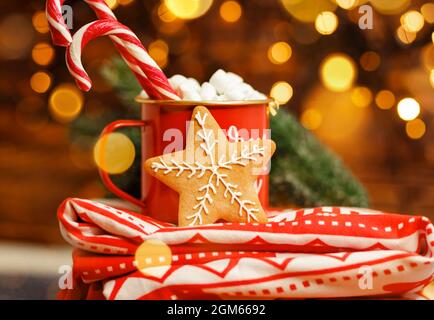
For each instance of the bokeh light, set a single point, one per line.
(281, 91)
(125, 2)
(65, 102)
(311, 119)
(408, 109)
(188, 9)
(39, 21)
(385, 99)
(152, 253)
(31, 113)
(230, 11)
(114, 153)
(165, 14)
(370, 61)
(159, 51)
(412, 21)
(16, 36)
(279, 52)
(404, 36)
(113, 4)
(40, 81)
(390, 6)
(415, 129)
(427, 56)
(326, 23)
(338, 72)
(347, 4)
(43, 53)
(427, 11)
(431, 78)
(361, 97)
(307, 10)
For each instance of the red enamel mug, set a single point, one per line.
(164, 125)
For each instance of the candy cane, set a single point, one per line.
(151, 78)
(131, 49)
(59, 30)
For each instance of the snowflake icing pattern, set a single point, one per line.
(216, 177)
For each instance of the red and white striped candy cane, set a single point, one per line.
(151, 78)
(59, 31)
(131, 49)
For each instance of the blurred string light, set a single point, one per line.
(151, 254)
(311, 119)
(39, 21)
(427, 11)
(390, 6)
(281, 91)
(412, 21)
(65, 103)
(31, 114)
(114, 153)
(427, 56)
(370, 61)
(415, 129)
(326, 23)
(16, 36)
(125, 2)
(347, 4)
(159, 51)
(307, 10)
(385, 99)
(404, 36)
(431, 78)
(279, 52)
(361, 97)
(43, 53)
(408, 109)
(40, 82)
(113, 4)
(188, 9)
(338, 72)
(230, 11)
(165, 14)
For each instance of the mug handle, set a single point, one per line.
(105, 176)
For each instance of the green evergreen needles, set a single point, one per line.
(305, 173)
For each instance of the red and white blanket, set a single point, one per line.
(325, 252)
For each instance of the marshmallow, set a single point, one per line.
(234, 78)
(177, 80)
(193, 82)
(255, 95)
(218, 80)
(245, 88)
(207, 91)
(234, 94)
(221, 86)
(188, 92)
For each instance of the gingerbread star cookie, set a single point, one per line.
(213, 176)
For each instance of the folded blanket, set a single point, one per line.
(324, 252)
